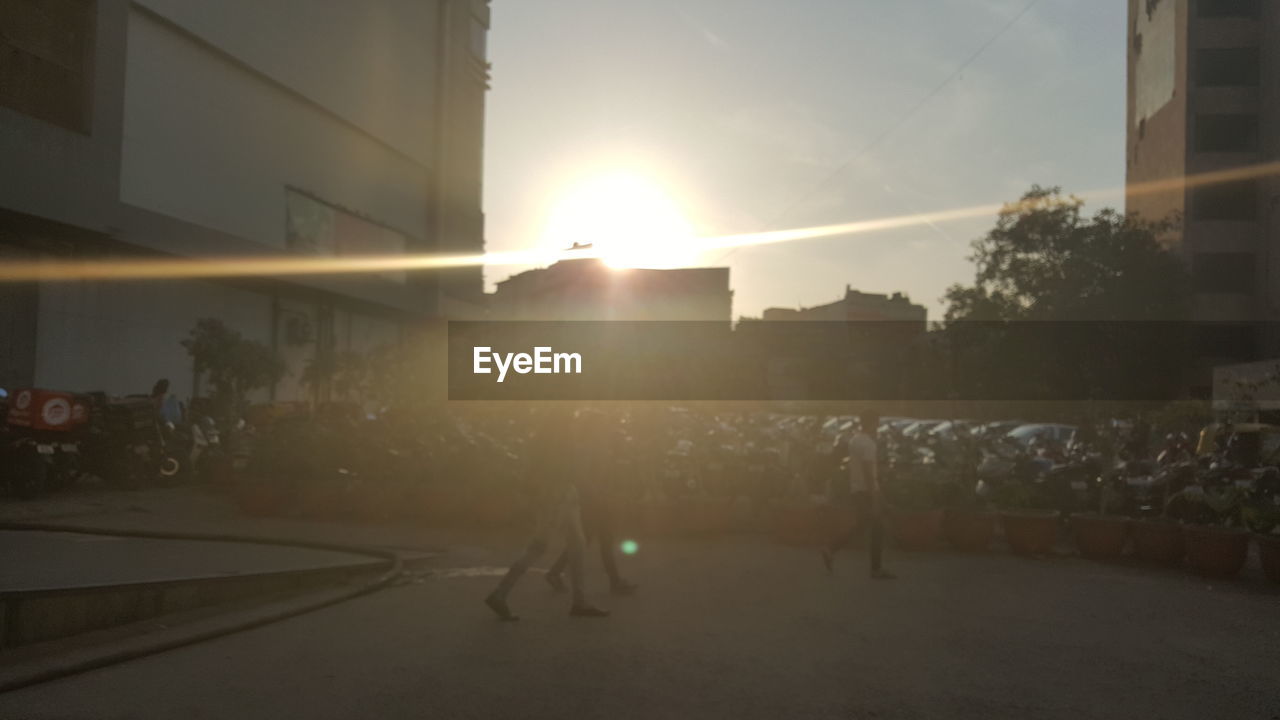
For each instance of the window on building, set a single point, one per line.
(1228, 8)
(315, 227)
(1226, 133)
(1227, 67)
(46, 51)
(1231, 273)
(1226, 201)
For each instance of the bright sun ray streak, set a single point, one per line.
(215, 267)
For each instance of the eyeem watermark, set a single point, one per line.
(543, 361)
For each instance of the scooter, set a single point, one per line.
(42, 445)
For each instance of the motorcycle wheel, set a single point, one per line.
(170, 469)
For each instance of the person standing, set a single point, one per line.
(863, 495)
(596, 480)
(552, 470)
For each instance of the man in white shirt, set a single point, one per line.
(863, 494)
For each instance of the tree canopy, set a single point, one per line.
(1068, 306)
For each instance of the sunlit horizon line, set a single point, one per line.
(221, 267)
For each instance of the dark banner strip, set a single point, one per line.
(845, 361)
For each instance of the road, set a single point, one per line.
(733, 628)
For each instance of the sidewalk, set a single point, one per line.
(205, 510)
(45, 560)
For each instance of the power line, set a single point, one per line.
(900, 120)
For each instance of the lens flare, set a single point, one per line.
(672, 249)
(629, 547)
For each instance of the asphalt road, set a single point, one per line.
(734, 628)
(36, 560)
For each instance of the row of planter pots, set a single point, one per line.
(1210, 551)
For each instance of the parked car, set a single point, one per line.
(952, 430)
(918, 429)
(1059, 435)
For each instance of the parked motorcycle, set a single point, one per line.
(42, 449)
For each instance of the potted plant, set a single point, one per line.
(1030, 527)
(1159, 539)
(1216, 543)
(915, 515)
(1263, 518)
(1102, 535)
(967, 524)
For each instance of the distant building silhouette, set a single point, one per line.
(587, 289)
(857, 306)
(803, 348)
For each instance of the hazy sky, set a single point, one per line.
(740, 109)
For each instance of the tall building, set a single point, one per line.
(185, 128)
(1204, 96)
(587, 289)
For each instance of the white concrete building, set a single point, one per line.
(237, 128)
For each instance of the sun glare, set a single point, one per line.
(629, 219)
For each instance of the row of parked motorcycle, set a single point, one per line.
(1119, 474)
(52, 439)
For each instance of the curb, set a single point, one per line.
(394, 569)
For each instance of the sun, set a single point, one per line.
(628, 218)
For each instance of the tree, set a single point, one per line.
(233, 365)
(344, 376)
(1069, 305)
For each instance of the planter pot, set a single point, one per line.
(687, 516)
(655, 518)
(259, 500)
(494, 511)
(917, 530)
(221, 472)
(1100, 537)
(1030, 532)
(743, 516)
(1269, 550)
(321, 501)
(806, 525)
(1216, 551)
(835, 521)
(720, 515)
(371, 506)
(430, 504)
(969, 530)
(1157, 541)
(791, 525)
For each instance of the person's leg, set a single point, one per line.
(576, 541)
(497, 600)
(877, 541)
(850, 504)
(555, 574)
(537, 547)
(608, 538)
(875, 518)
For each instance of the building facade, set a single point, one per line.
(1204, 97)
(588, 289)
(180, 128)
